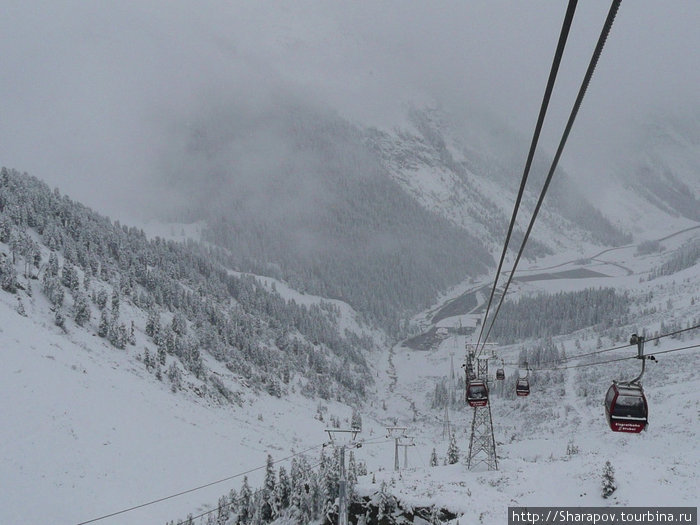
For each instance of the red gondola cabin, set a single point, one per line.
(626, 408)
(522, 387)
(477, 394)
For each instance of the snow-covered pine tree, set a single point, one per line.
(8, 276)
(435, 516)
(60, 320)
(452, 452)
(103, 327)
(132, 334)
(282, 491)
(175, 377)
(51, 286)
(608, 482)
(356, 420)
(386, 505)
(268, 492)
(245, 502)
(101, 299)
(351, 476)
(20, 307)
(223, 511)
(115, 304)
(81, 309)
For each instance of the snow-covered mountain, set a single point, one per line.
(473, 182)
(137, 367)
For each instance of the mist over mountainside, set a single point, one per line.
(468, 169)
(299, 194)
(666, 173)
(385, 220)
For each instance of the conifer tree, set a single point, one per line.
(283, 490)
(81, 309)
(132, 334)
(8, 276)
(223, 511)
(433, 459)
(103, 327)
(245, 502)
(60, 320)
(386, 505)
(20, 307)
(351, 476)
(268, 492)
(452, 452)
(101, 299)
(115, 304)
(52, 267)
(608, 481)
(356, 420)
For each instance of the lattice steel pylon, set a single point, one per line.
(482, 444)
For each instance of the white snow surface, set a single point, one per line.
(87, 431)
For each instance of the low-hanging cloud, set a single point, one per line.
(96, 97)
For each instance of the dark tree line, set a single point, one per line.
(547, 315)
(684, 257)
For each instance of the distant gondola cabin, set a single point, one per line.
(522, 387)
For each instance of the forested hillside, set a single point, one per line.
(183, 300)
(320, 212)
(684, 257)
(546, 315)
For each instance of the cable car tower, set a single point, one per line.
(349, 442)
(482, 444)
(446, 426)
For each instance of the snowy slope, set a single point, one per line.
(90, 432)
(87, 431)
(658, 467)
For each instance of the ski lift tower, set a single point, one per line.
(343, 438)
(446, 427)
(405, 442)
(482, 443)
(397, 433)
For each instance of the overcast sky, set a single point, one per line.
(89, 89)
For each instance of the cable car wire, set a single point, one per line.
(566, 26)
(656, 338)
(627, 345)
(572, 117)
(123, 511)
(583, 365)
